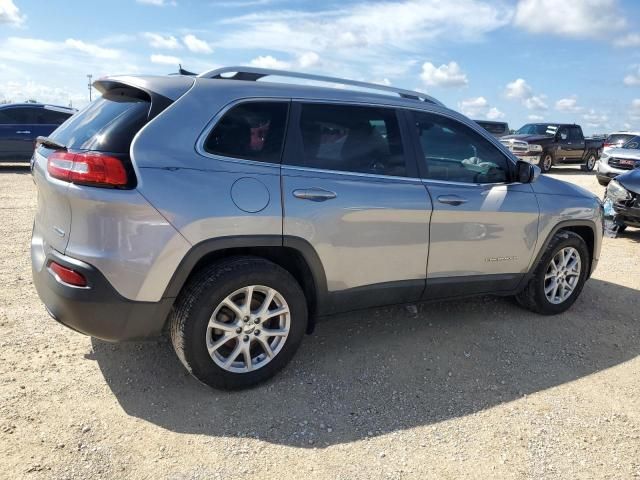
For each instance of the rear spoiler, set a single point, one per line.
(162, 91)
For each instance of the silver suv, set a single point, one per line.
(231, 213)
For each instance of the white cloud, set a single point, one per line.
(158, 3)
(159, 41)
(595, 119)
(90, 49)
(20, 91)
(165, 59)
(578, 18)
(520, 90)
(535, 118)
(267, 61)
(568, 104)
(494, 114)
(479, 108)
(196, 45)
(629, 40)
(446, 75)
(364, 32)
(633, 79)
(10, 13)
(308, 59)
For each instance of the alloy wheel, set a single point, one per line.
(562, 275)
(248, 329)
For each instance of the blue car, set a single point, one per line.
(22, 123)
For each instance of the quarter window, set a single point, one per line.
(250, 131)
(352, 138)
(454, 152)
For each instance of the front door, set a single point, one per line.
(351, 191)
(483, 227)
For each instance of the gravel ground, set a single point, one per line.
(475, 389)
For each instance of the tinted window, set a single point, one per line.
(18, 116)
(352, 138)
(575, 134)
(51, 117)
(454, 152)
(108, 124)
(251, 131)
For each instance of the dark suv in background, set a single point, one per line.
(22, 123)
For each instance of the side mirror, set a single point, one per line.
(526, 173)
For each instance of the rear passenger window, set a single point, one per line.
(250, 131)
(352, 138)
(454, 152)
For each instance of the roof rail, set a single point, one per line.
(254, 74)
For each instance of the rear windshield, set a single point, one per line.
(108, 124)
(618, 139)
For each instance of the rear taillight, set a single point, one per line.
(91, 168)
(67, 275)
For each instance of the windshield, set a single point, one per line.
(538, 129)
(633, 144)
(618, 139)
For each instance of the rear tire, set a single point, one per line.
(546, 162)
(213, 307)
(590, 163)
(542, 295)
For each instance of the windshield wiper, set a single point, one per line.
(50, 143)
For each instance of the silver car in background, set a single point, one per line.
(616, 161)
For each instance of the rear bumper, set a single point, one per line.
(98, 310)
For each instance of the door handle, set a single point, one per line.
(314, 194)
(23, 131)
(454, 200)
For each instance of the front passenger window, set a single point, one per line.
(454, 152)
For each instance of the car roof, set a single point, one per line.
(38, 105)
(624, 133)
(173, 86)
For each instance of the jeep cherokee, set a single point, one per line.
(231, 213)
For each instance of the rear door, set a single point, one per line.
(483, 226)
(576, 142)
(351, 190)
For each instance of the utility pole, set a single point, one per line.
(89, 76)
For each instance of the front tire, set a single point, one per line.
(238, 322)
(559, 276)
(546, 162)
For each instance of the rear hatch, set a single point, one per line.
(102, 131)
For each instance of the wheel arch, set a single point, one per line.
(293, 254)
(586, 229)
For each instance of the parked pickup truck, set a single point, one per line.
(548, 144)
